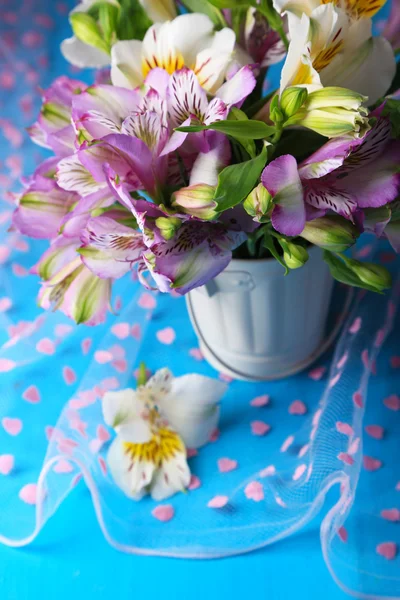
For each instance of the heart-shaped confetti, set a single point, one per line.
(375, 431)
(371, 464)
(6, 464)
(387, 549)
(254, 491)
(297, 408)
(225, 465)
(163, 513)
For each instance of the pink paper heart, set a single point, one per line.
(392, 402)
(397, 488)
(387, 549)
(371, 464)
(375, 431)
(380, 338)
(395, 362)
(4, 254)
(344, 428)
(358, 399)
(343, 360)
(317, 373)
(365, 358)
(120, 365)
(259, 427)
(299, 472)
(225, 465)
(355, 327)
(287, 443)
(136, 331)
(391, 514)
(86, 345)
(5, 304)
(218, 502)
(12, 426)
(354, 446)
(28, 493)
(268, 471)
(46, 346)
(6, 365)
(166, 336)
(110, 383)
(69, 375)
(195, 483)
(346, 458)
(343, 535)
(6, 464)
(297, 408)
(102, 464)
(214, 435)
(254, 491)
(63, 466)
(196, 353)
(191, 452)
(163, 513)
(303, 450)
(260, 401)
(103, 357)
(102, 433)
(31, 394)
(95, 445)
(147, 301)
(62, 330)
(121, 330)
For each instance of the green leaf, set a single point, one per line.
(142, 376)
(250, 130)
(206, 7)
(269, 243)
(236, 181)
(133, 22)
(232, 3)
(108, 19)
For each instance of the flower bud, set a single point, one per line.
(275, 113)
(294, 255)
(374, 276)
(258, 203)
(87, 31)
(168, 226)
(292, 100)
(332, 233)
(196, 200)
(333, 112)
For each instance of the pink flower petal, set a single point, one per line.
(163, 513)
(371, 464)
(375, 431)
(259, 427)
(225, 465)
(260, 401)
(254, 491)
(6, 464)
(218, 502)
(297, 408)
(387, 549)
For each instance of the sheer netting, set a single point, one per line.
(335, 427)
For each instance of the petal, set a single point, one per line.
(132, 475)
(109, 249)
(82, 55)
(216, 111)
(73, 176)
(212, 63)
(157, 387)
(191, 33)
(298, 69)
(173, 475)
(208, 164)
(60, 254)
(327, 158)
(192, 407)
(102, 108)
(121, 407)
(186, 97)
(282, 180)
(126, 64)
(149, 128)
(75, 220)
(159, 10)
(195, 255)
(392, 233)
(236, 89)
(328, 196)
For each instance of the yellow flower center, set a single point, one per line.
(170, 63)
(325, 56)
(357, 9)
(163, 446)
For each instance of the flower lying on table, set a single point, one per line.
(154, 425)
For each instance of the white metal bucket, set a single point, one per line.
(255, 323)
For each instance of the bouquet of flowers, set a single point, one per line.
(175, 159)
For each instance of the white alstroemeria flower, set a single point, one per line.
(159, 10)
(189, 40)
(80, 54)
(154, 425)
(334, 46)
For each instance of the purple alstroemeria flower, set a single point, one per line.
(263, 44)
(54, 128)
(343, 176)
(43, 204)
